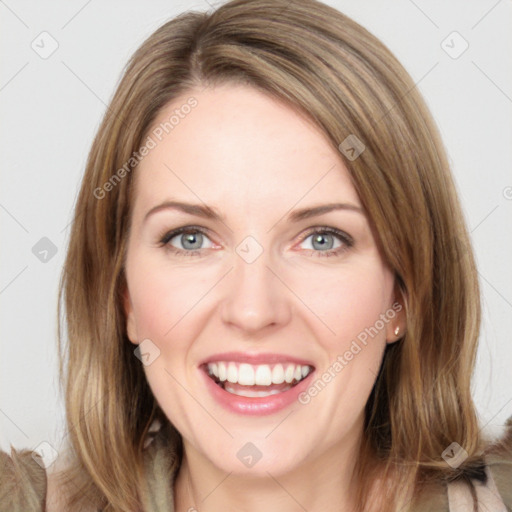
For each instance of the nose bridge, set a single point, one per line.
(255, 297)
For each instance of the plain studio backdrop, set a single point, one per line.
(60, 64)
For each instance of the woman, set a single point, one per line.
(313, 348)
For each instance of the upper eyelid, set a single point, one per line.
(341, 234)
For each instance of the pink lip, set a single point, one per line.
(244, 357)
(253, 406)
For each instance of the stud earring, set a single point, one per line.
(397, 330)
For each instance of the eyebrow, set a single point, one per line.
(198, 210)
(306, 213)
(208, 212)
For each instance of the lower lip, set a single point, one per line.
(257, 406)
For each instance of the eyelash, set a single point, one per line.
(346, 240)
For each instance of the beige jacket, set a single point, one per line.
(23, 482)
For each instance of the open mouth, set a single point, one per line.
(256, 380)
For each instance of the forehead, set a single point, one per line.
(241, 145)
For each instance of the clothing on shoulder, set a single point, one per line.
(24, 482)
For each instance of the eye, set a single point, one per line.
(328, 241)
(187, 240)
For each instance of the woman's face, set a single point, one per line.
(259, 283)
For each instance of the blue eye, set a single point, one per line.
(190, 238)
(188, 241)
(324, 239)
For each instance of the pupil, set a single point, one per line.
(321, 240)
(193, 238)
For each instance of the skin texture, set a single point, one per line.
(255, 160)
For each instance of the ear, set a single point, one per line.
(397, 324)
(131, 326)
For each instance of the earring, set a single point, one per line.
(397, 330)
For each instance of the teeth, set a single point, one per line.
(250, 393)
(263, 375)
(278, 374)
(245, 374)
(290, 371)
(232, 373)
(222, 371)
(260, 375)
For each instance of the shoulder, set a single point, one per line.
(23, 482)
(490, 484)
(498, 457)
(493, 490)
(61, 479)
(54, 494)
(27, 486)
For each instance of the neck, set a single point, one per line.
(322, 480)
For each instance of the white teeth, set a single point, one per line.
(250, 393)
(245, 375)
(278, 374)
(288, 374)
(222, 371)
(260, 375)
(232, 373)
(263, 376)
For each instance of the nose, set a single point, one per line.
(256, 299)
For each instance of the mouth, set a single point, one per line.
(255, 381)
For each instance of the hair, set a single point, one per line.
(324, 65)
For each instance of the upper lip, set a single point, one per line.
(255, 359)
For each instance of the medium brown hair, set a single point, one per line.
(321, 63)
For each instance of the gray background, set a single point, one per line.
(51, 108)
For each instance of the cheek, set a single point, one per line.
(168, 301)
(167, 307)
(348, 301)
